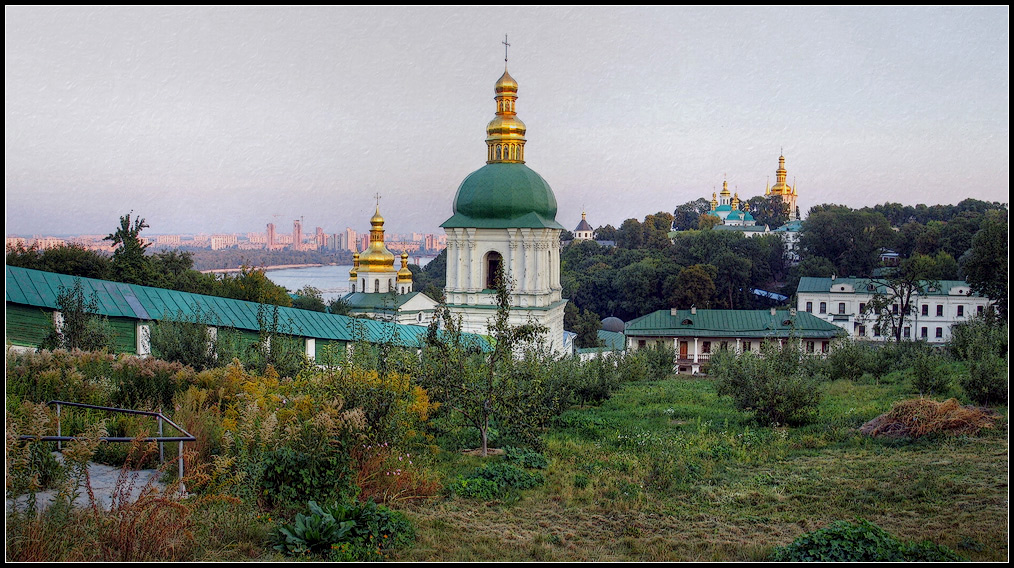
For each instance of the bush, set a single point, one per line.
(496, 481)
(291, 476)
(929, 374)
(986, 380)
(185, 339)
(864, 541)
(526, 458)
(347, 532)
(774, 386)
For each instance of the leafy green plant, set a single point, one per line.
(929, 375)
(498, 480)
(312, 533)
(82, 327)
(292, 476)
(863, 541)
(775, 385)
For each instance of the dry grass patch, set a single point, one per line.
(919, 417)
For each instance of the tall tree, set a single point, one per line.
(850, 239)
(895, 292)
(129, 263)
(686, 216)
(986, 263)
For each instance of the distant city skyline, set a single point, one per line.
(225, 119)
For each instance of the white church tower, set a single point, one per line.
(505, 216)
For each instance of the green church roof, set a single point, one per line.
(504, 195)
(731, 323)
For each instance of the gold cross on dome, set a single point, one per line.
(377, 197)
(505, 46)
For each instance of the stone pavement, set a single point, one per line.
(104, 479)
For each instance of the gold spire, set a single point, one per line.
(404, 275)
(376, 258)
(714, 201)
(735, 201)
(725, 189)
(354, 273)
(780, 187)
(505, 134)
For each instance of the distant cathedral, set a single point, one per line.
(379, 290)
(735, 214)
(504, 218)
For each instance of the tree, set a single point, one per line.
(252, 285)
(474, 383)
(71, 258)
(707, 222)
(630, 234)
(656, 230)
(986, 264)
(566, 236)
(687, 216)
(82, 327)
(129, 263)
(606, 233)
(892, 301)
(733, 280)
(694, 287)
(585, 323)
(770, 210)
(309, 298)
(850, 239)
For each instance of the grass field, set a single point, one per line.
(669, 471)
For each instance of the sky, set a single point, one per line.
(224, 119)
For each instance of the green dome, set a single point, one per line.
(504, 195)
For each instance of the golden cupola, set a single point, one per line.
(376, 258)
(404, 275)
(714, 201)
(780, 187)
(354, 273)
(505, 134)
(735, 201)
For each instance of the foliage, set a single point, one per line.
(129, 263)
(978, 336)
(499, 480)
(476, 384)
(526, 458)
(850, 239)
(82, 326)
(292, 476)
(986, 381)
(774, 385)
(309, 298)
(585, 323)
(185, 338)
(986, 263)
(338, 306)
(929, 374)
(365, 529)
(71, 258)
(894, 299)
(253, 285)
(686, 216)
(863, 541)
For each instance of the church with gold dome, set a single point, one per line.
(504, 219)
(735, 214)
(381, 291)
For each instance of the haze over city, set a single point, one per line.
(223, 119)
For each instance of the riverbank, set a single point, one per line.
(264, 268)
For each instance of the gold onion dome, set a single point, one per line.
(355, 266)
(505, 134)
(376, 258)
(404, 275)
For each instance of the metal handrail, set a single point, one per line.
(60, 438)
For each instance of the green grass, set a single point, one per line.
(668, 471)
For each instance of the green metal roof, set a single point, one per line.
(731, 323)
(116, 299)
(611, 341)
(504, 195)
(377, 301)
(862, 285)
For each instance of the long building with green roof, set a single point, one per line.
(696, 334)
(31, 300)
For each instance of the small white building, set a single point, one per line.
(844, 302)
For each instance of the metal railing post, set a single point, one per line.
(59, 429)
(161, 454)
(181, 461)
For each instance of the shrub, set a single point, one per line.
(929, 376)
(291, 476)
(774, 385)
(986, 380)
(185, 339)
(863, 541)
(498, 480)
(312, 533)
(83, 327)
(365, 529)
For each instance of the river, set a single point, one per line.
(332, 281)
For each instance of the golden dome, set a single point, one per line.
(506, 83)
(404, 275)
(725, 189)
(355, 266)
(376, 258)
(505, 134)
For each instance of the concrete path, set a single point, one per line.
(103, 479)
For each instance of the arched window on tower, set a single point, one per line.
(493, 265)
(376, 286)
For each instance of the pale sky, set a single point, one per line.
(225, 119)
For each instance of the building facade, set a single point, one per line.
(697, 334)
(845, 303)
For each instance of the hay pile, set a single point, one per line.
(920, 416)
